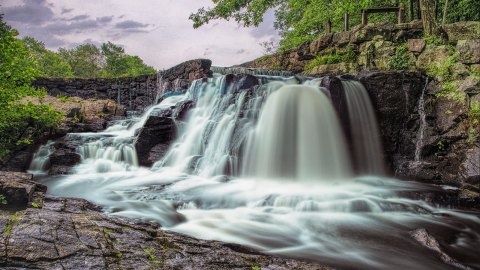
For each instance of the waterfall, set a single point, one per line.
(41, 159)
(297, 137)
(262, 161)
(423, 124)
(367, 150)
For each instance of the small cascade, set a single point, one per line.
(251, 71)
(41, 159)
(367, 149)
(423, 124)
(297, 137)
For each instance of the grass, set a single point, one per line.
(347, 56)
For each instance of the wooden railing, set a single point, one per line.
(398, 10)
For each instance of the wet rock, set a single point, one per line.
(157, 134)
(182, 108)
(61, 233)
(18, 189)
(469, 51)
(471, 166)
(427, 240)
(238, 82)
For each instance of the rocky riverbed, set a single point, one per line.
(43, 232)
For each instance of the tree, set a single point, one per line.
(120, 64)
(86, 60)
(18, 68)
(50, 64)
(302, 20)
(428, 17)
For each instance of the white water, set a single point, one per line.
(297, 137)
(364, 130)
(359, 223)
(41, 159)
(423, 124)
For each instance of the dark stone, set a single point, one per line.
(18, 189)
(339, 101)
(154, 139)
(237, 82)
(135, 93)
(181, 110)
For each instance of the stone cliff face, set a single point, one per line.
(134, 93)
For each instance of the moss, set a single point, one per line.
(255, 267)
(151, 257)
(12, 220)
(3, 199)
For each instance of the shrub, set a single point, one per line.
(401, 59)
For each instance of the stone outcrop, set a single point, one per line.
(444, 154)
(80, 115)
(58, 233)
(135, 93)
(155, 138)
(374, 46)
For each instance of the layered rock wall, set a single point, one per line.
(135, 93)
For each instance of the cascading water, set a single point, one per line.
(291, 139)
(364, 130)
(276, 130)
(41, 159)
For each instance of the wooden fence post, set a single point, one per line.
(346, 21)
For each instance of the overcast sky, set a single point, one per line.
(156, 30)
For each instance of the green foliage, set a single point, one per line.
(348, 56)
(3, 199)
(36, 204)
(401, 59)
(443, 69)
(20, 120)
(119, 64)
(49, 64)
(86, 60)
(434, 40)
(256, 267)
(303, 20)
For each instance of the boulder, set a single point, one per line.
(416, 45)
(470, 169)
(433, 54)
(463, 30)
(469, 51)
(340, 68)
(18, 189)
(157, 134)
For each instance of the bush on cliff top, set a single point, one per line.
(19, 121)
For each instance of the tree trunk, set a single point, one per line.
(445, 12)
(428, 16)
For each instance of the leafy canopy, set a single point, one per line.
(302, 20)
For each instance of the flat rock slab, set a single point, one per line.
(74, 234)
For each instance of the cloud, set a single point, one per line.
(29, 12)
(161, 41)
(105, 19)
(66, 10)
(59, 28)
(130, 24)
(79, 18)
